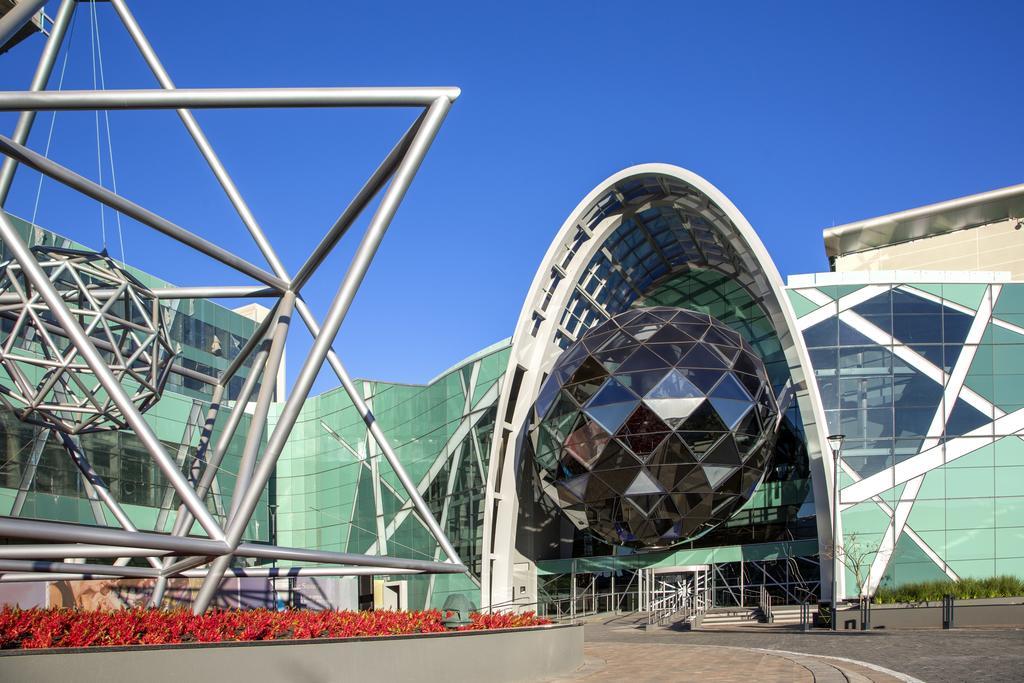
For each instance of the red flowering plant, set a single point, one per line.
(46, 628)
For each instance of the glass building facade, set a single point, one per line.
(921, 371)
(925, 381)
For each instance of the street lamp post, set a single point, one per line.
(836, 443)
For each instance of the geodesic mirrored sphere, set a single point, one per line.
(47, 380)
(654, 427)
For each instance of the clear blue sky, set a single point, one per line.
(805, 114)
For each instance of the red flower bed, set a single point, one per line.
(35, 628)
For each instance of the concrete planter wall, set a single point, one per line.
(983, 612)
(492, 656)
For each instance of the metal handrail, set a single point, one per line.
(764, 602)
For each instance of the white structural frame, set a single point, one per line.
(178, 554)
(535, 349)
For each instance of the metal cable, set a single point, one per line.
(99, 158)
(53, 117)
(106, 118)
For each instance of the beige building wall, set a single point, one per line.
(259, 313)
(993, 247)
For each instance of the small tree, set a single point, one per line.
(855, 554)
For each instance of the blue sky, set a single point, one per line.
(804, 114)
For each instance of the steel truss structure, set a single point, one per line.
(177, 554)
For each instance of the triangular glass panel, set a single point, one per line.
(747, 362)
(569, 466)
(645, 504)
(618, 340)
(702, 357)
(715, 336)
(589, 371)
(700, 442)
(670, 334)
(595, 340)
(643, 359)
(716, 474)
(612, 416)
(704, 419)
(694, 482)
(618, 480)
(673, 410)
(695, 330)
(644, 444)
(686, 316)
(724, 453)
(611, 358)
(643, 421)
(597, 491)
(644, 318)
(702, 379)
(731, 388)
(576, 489)
(730, 411)
(642, 382)
(614, 456)
(752, 383)
(644, 484)
(672, 353)
(675, 385)
(670, 475)
(672, 451)
(728, 353)
(586, 441)
(612, 392)
(644, 332)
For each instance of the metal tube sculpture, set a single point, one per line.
(106, 355)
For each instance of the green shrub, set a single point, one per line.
(965, 589)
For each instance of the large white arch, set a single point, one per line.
(557, 310)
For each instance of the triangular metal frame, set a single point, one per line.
(178, 554)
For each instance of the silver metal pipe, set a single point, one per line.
(259, 335)
(46, 551)
(34, 577)
(214, 292)
(199, 137)
(73, 568)
(78, 457)
(336, 314)
(274, 572)
(365, 195)
(115, 201)
(18, 16)
(39, 81)
(224, 98)
(176, 293)
(327, 557)
(79, 533)
(420, 505)
(105, 345)
(253, 439)
(34, 272)
(183, 521)
(29, 473)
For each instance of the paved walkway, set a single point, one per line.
(618, 653)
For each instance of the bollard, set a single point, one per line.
(947, 612)
(805, 617)
(865, 614)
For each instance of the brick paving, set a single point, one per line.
(934, 656)
(610, 662)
